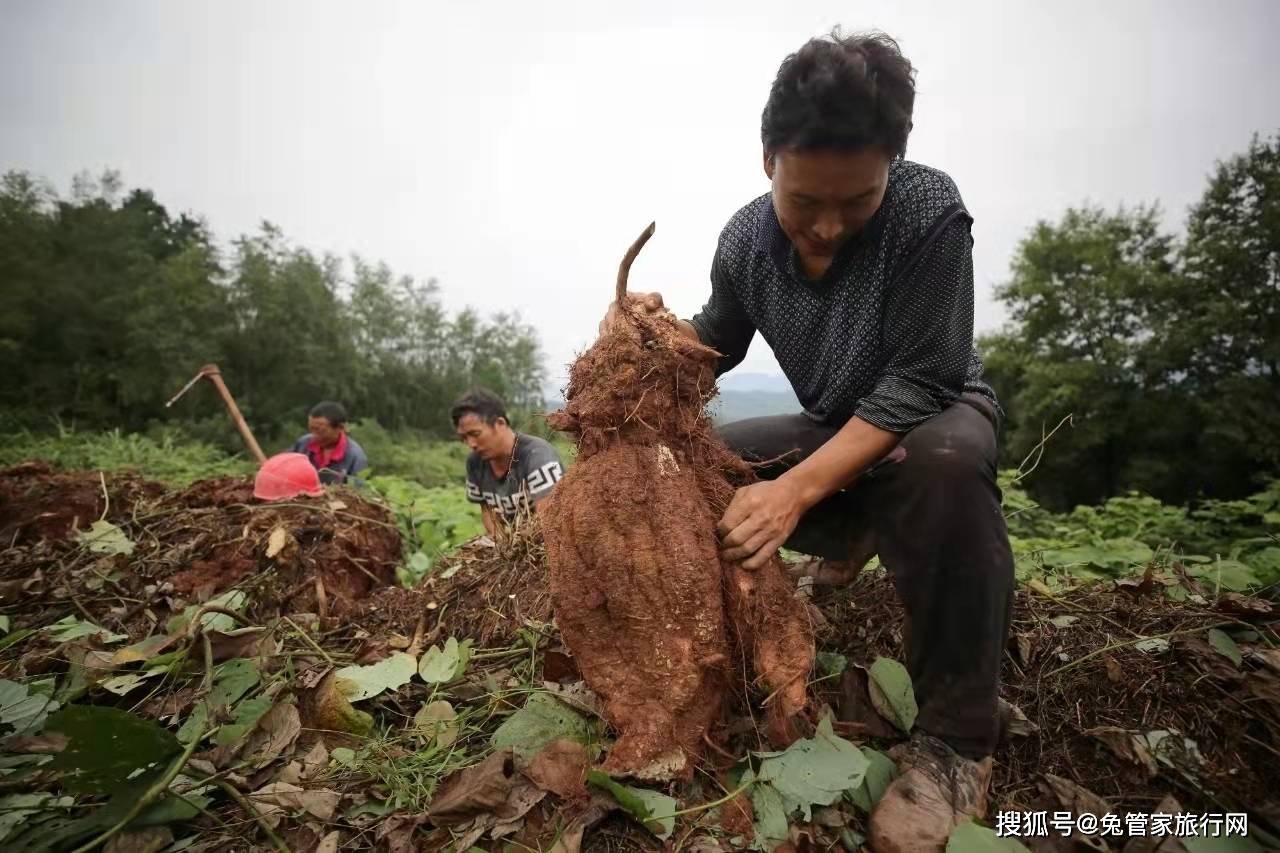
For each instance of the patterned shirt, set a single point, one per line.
(535, 469)
(886, 334)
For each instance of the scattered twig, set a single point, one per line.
(310, 642)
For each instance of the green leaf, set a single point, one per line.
(103, 537)
(232, 599)
(106, 747)
(892, 694)
(1226, 646)
(815, 771)
(971, 837)
(171, 809)
(122, 684)
(246, 717)
(4, 624)
(831, 664)
(343, 756)
(364, 682)
(655, 811)
(195, 724)
(441, 666)
(70, 628)
(1230, 575)
(233, 679)
(542, 720)
(23, 710)
(16, 637)
(16, 808)
(771, 824)
(881, 770)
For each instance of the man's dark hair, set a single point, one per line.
(841, 92)
(332, 412)
(480, 402)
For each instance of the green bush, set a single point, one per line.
(169, 457)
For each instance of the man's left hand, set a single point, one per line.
(758, 521)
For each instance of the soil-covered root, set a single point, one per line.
(658, 624)
(639, 601)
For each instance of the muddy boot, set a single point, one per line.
(936, 791)
(821, 573)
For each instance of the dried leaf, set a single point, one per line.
(1267, 657)
(577, 695)
(364, 682)
(1129, 746)
(1134, 586)
(474, 790)
(1152, 645)
(855, 704)
(1208, 659)
(324, 708)
(1266, 686)
(560, 768)
(329, 844)
(1245, 606)
(435, 722)
(1073, 797)
(276, 733)
(315, 760)
(277, 540)
(509, 817)
(275, 799)
(1017, 724)
(150, 840)
(253, 642)
(1025, 648)
(1065, 621)
(1115, 673)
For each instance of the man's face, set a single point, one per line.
(482, 438)
(324, 433)
(823, 198)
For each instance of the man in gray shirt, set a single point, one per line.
(507, 472)
(857, 270)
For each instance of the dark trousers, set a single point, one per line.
(931, 511)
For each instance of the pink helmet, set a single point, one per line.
(286, 475)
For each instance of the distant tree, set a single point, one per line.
(1164, 352)
(112, 303)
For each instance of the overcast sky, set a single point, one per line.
(514, 150)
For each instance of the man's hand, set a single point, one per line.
(758, 521)
(645, 303)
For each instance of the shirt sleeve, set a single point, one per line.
(543, 465)
(359, 462)
(473, 487)
(927, 331)
(722, 324)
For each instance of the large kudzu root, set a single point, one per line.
(662, 630)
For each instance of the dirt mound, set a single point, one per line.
(318, 555)
(661, 629)
(37, 502)
(1130, 725)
